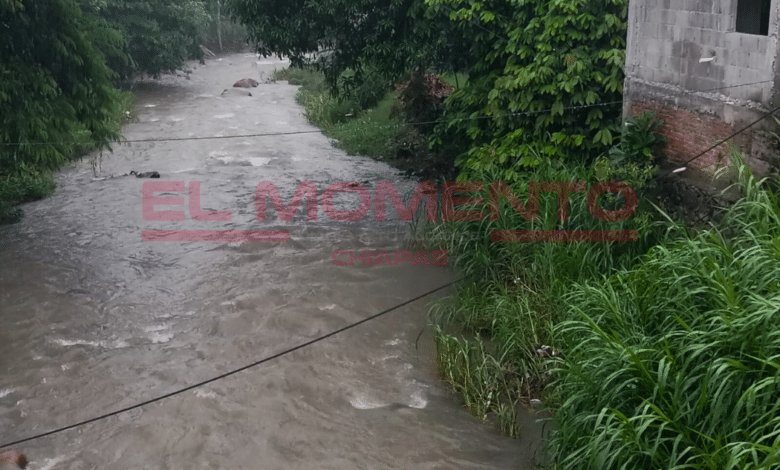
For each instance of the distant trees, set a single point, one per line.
(366, 37)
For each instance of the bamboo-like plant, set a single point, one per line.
(675, 363)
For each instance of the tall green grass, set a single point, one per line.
(495, 339)
(372, 132)
(675, 363)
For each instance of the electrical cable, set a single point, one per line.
(226, 374)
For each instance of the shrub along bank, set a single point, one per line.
(376, 119)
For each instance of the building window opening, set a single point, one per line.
(753, 16)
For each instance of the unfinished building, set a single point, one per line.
(707, 68)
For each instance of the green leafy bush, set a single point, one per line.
(546, 82)
(638, 141)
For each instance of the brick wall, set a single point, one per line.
(688, 134)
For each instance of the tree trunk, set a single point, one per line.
(219, 27)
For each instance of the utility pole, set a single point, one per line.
(219, 26)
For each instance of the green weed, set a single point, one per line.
(370, 132)
(675, 363)
(497, 343)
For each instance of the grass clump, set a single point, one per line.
(675, 363)
(360, 123)
(496, 339)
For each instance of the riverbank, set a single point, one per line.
(370, 126)
(35, 181)
(650, 338)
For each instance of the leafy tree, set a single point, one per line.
(159, 34)
(540, 58)
(55, 89)
(370, 40)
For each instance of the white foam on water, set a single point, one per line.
(418, 400)
(259, 161)
(6, 392)
(77, 342)
(160, 337)
(51, 463)
(116, 344)
(224, 116)
(150, 106)
(154, 119)
(362, 402)
(328, 307)
(150, 329)
(202, 394)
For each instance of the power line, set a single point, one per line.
(441, 121)
(227, 374)
(700, 154)
(173, 139)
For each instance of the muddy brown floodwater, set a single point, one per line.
(94, 319)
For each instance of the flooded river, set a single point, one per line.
(94, 318)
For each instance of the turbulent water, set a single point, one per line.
(94, 318)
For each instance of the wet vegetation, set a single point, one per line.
(673, 363)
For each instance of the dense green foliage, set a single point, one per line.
(537, 69)
(369, 41)
(54, 87)
(159, 35)
(674, 363)
(541, 68)
(60, 62)
(370, 132)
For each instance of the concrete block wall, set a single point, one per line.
(712, 98)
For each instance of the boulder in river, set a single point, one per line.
(246, 83)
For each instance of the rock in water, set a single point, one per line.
(12, 459)
(246, 83)
(236, 91)
(148, 174)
